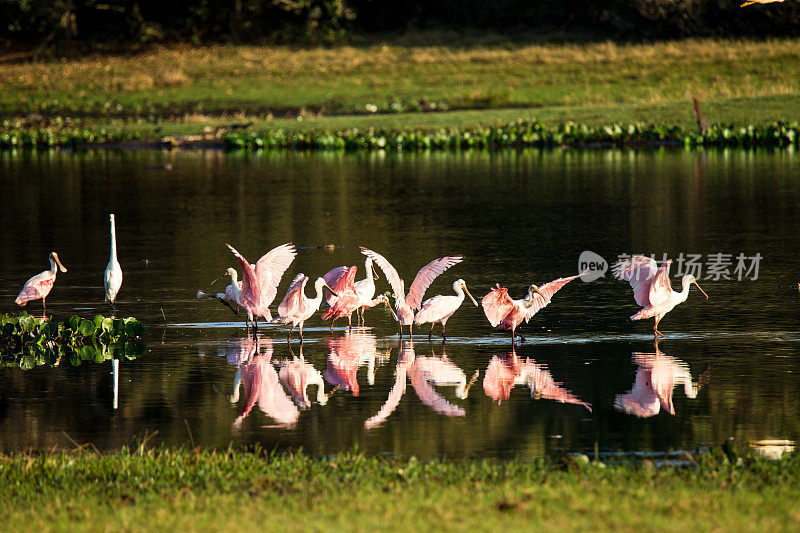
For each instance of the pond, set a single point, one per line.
(728, 367)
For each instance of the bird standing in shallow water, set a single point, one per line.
(651, 287)
(440, 308)
(112, 280)
(296, 307)
(407, 304)
(505, 313)
(40, 285)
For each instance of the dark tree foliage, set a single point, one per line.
(53, 22)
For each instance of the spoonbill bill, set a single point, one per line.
(260, 282)
(440, 308)
(651, 287)
(508, 314)
(40, 285)
(112, 280)
(406, 304)
(296, 307)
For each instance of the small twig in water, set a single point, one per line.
(191, 439)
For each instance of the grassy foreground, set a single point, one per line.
(400, 87)
(200, 490)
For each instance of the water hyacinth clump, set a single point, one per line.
(27, 341)
(519, 134)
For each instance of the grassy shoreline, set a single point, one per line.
(398, 89)
(202, 490)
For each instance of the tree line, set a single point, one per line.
(51, 23)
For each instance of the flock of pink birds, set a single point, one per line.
(258, 287)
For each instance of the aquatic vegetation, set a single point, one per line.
(522, 133)
(26, 341)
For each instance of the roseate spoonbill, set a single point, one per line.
(260, 283)
(651, 287)
(296, 307)
(40, 285)
(656, 376)
(440, 308)
(505, 313)
(407, 304)
(112, 280)
(366, 289)
(342, 281)
(506, 371)
(227, 298)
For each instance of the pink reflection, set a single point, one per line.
(506, 371)
(347, 354)
(255, 373)
(424, 373)
(656, 376)
(296, 374)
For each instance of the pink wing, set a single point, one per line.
(347, 302)
(270, 268)
(37, 287)
(425, 277)
(639, 272)
(229, 291)
(293, 301)
(332, 278)
(549, 289)
(251, 293)
(389, 271)
(661, 288)
(497, 305)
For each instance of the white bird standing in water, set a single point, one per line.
(112, 280)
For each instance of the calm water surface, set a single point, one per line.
(731, 363)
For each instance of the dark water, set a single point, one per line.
(518, 217)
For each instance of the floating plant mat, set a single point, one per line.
(27, 341)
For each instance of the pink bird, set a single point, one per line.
(440, 308)
(652, 389)
(296, 307)
(651, 287)
(407, 304)
(40, 285)
(342, 280)
(508, 314)
(260, 282)
(504, 372)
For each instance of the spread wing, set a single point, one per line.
(497, 305)
(333, 277)
(548, 289)
(270, 268)
(389, 271)
(425, 277)
(251, 292)
(639, 271)
(293, 300)
(541, 382)
(661, 288)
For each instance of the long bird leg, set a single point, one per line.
(289, 336)
(301, 333)
(255, 327)
(655, 330)
(444, 334)
(431, 331)
(332, 322)
(44, 309)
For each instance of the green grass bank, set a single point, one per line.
(409, 90)
(206, 490)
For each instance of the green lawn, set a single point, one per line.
(215, 491)
(189, 88)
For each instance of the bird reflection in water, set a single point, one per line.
(424, 372)
(348, 353)
(656, 376)
(254, 371)
(507, 370)
(296, 374)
